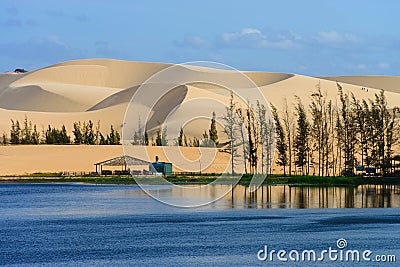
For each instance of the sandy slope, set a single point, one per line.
(23, 159)
(8, 78)
(304, 86)
(387, 83)
(95, 72)
(100, 90)
(45, 158)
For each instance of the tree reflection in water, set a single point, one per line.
(285, 196)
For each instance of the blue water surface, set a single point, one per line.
(98, 225)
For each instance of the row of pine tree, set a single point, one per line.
(327, 139)
(210, 138)
(324, 139)
(83, 133)
(335, 139)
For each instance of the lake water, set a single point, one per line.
(97, 225)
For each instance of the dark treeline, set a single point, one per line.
(210, 137)
(337, 139)
(325, 138)
(141, 136)
(250, 136)
(83, 133)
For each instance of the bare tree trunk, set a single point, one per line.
(288, 121)
(242, 119)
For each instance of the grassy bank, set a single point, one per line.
(204, 179)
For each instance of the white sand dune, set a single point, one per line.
(26, 159)
(387, 83)
(100, 90)
(95, 72)
(265, 78)
(34, 98)
(304, 86)
(8, 78)
(118, 98)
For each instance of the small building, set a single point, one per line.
(161, 167)
(396, 164)
(121, 166)
(365, 170)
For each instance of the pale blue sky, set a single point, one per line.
(313, 37)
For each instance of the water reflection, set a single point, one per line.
(365, 196)
(285, 196)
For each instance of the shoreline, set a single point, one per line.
(309, 181)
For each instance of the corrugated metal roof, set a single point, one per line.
(123, 160)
